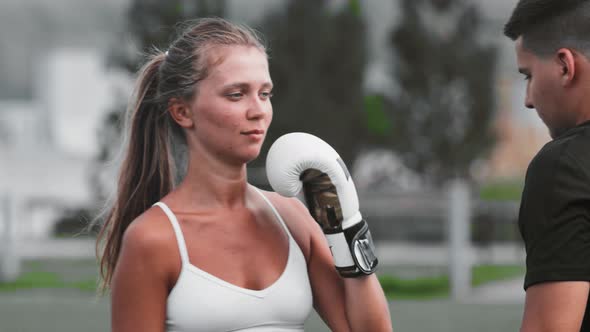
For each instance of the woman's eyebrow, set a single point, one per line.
(243, 85)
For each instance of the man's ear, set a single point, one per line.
(566, 60)
(180, 112)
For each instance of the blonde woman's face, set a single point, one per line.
(232, 109)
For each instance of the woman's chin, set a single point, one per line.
(249, 156)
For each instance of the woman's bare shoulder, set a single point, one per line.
(146, 268)
(150, 234)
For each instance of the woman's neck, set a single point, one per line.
(212, 183)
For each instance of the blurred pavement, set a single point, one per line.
(73, 311)
(499, 292)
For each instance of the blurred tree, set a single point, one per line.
(152, 23)
(317, 64)
(441, 121)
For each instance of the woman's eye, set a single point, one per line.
(235, 95)
(266, 95)
(527, 77)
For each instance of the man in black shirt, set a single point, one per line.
(553, 52)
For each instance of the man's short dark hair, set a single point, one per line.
(547, 25)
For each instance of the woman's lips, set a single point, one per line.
(256, 133)
(253, 132)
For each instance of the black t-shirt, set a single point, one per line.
(554, 218)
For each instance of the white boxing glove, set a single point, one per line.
(304, 166)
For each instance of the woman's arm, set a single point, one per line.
(356, 304)
(140, 281)
(345, 304)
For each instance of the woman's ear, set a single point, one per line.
(180, 112)
(567, 61)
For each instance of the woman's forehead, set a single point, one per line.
(220, 55)
(238, 63)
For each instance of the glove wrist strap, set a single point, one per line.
(353, 251)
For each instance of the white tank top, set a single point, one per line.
(202, 302)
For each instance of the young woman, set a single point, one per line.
(188, 244)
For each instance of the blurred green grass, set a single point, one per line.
(55, 274)
(502, 190)
(46, 280)
(438, 286)
(82, 276)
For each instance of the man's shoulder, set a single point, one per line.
(560, 150)
(544, 162)
(561, 166)
(577, 146)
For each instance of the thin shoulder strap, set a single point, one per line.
(274, 210)
(177, 231)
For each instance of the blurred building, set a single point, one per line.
(48, 143)
(55, 88)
